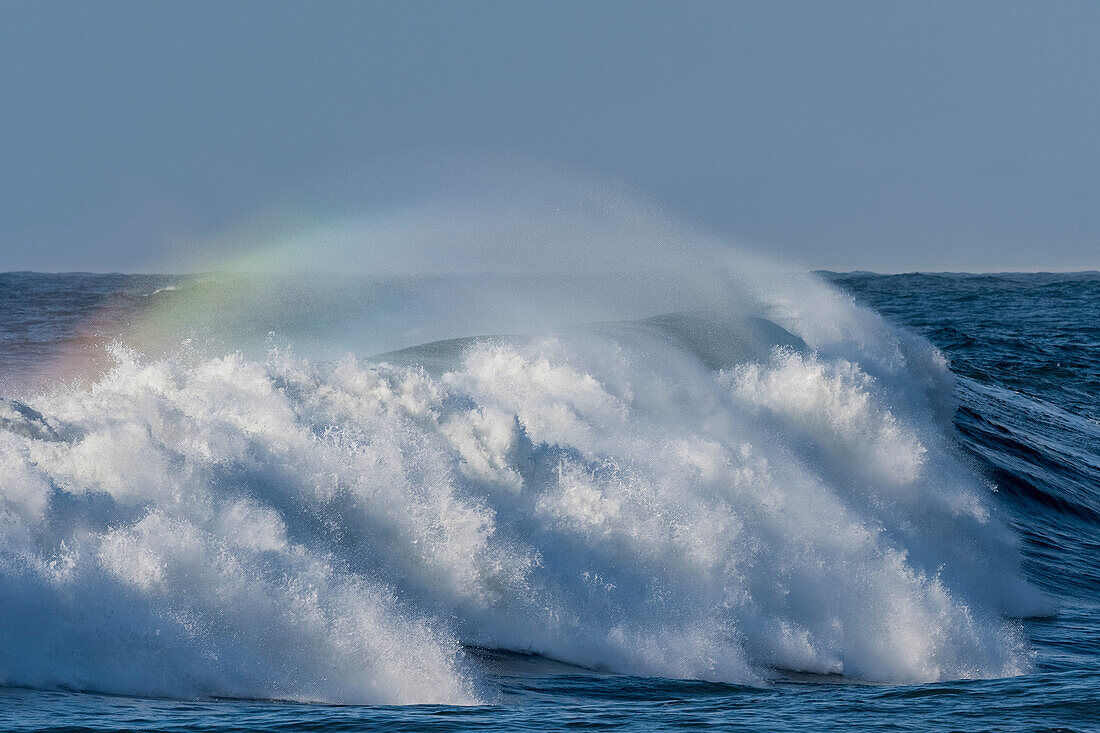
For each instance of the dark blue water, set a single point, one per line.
(1026, 349)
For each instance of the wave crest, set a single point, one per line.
(610, 497)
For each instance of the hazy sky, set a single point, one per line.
(853, 135)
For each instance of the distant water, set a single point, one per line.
(231, 512)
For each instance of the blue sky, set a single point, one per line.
(850, 135)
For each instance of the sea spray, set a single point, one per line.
(670, 460)
(333, 531)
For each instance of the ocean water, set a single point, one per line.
(754, 502)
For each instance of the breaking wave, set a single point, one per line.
(680, 463)
(689, 496)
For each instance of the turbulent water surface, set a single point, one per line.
(766, 502)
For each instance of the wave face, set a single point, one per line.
(654, 497)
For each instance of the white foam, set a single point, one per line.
(334, 531)
(619, 496)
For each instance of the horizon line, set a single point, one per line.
(812, 271)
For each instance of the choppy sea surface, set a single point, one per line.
(847, 500)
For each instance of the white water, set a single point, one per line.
(338, 530)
